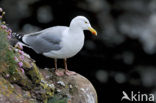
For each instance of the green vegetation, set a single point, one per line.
(28, 80)
(6, 55)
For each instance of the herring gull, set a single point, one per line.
(59, 42)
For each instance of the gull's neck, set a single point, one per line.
(74, 29)
(75, 33)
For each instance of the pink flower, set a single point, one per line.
(21, 52)
(3, 26)
(20, 64)
(22, 70)
(9, 31)
(0, 17)
(19, 46)
(7, 75)
(16, 59)
(9, 37)
(22, 57)
(1, 9)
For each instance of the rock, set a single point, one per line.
(13, 93)
(26, 77)
(72, 89)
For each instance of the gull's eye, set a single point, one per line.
(85, 22)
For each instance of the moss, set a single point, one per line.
(6, 55)
(29, 80)
(41, 86)
(9, 91)
(6, 88)
(49, 91)
(57, 99)
(34, 74)
(7, 63)
(26, 64)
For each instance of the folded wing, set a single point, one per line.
(45, 40)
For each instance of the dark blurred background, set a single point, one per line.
(123, 55)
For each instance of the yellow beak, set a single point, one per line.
(93, 31)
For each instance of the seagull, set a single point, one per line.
(59, 42)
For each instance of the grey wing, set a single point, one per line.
(46, 40)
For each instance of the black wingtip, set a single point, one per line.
(17, 36)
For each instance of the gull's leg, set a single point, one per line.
(66, 68)
(57, 72)
(55, 63)
(65, 64)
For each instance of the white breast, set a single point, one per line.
(71, 45)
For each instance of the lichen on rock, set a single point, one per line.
(71, 89)
(28, 79)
